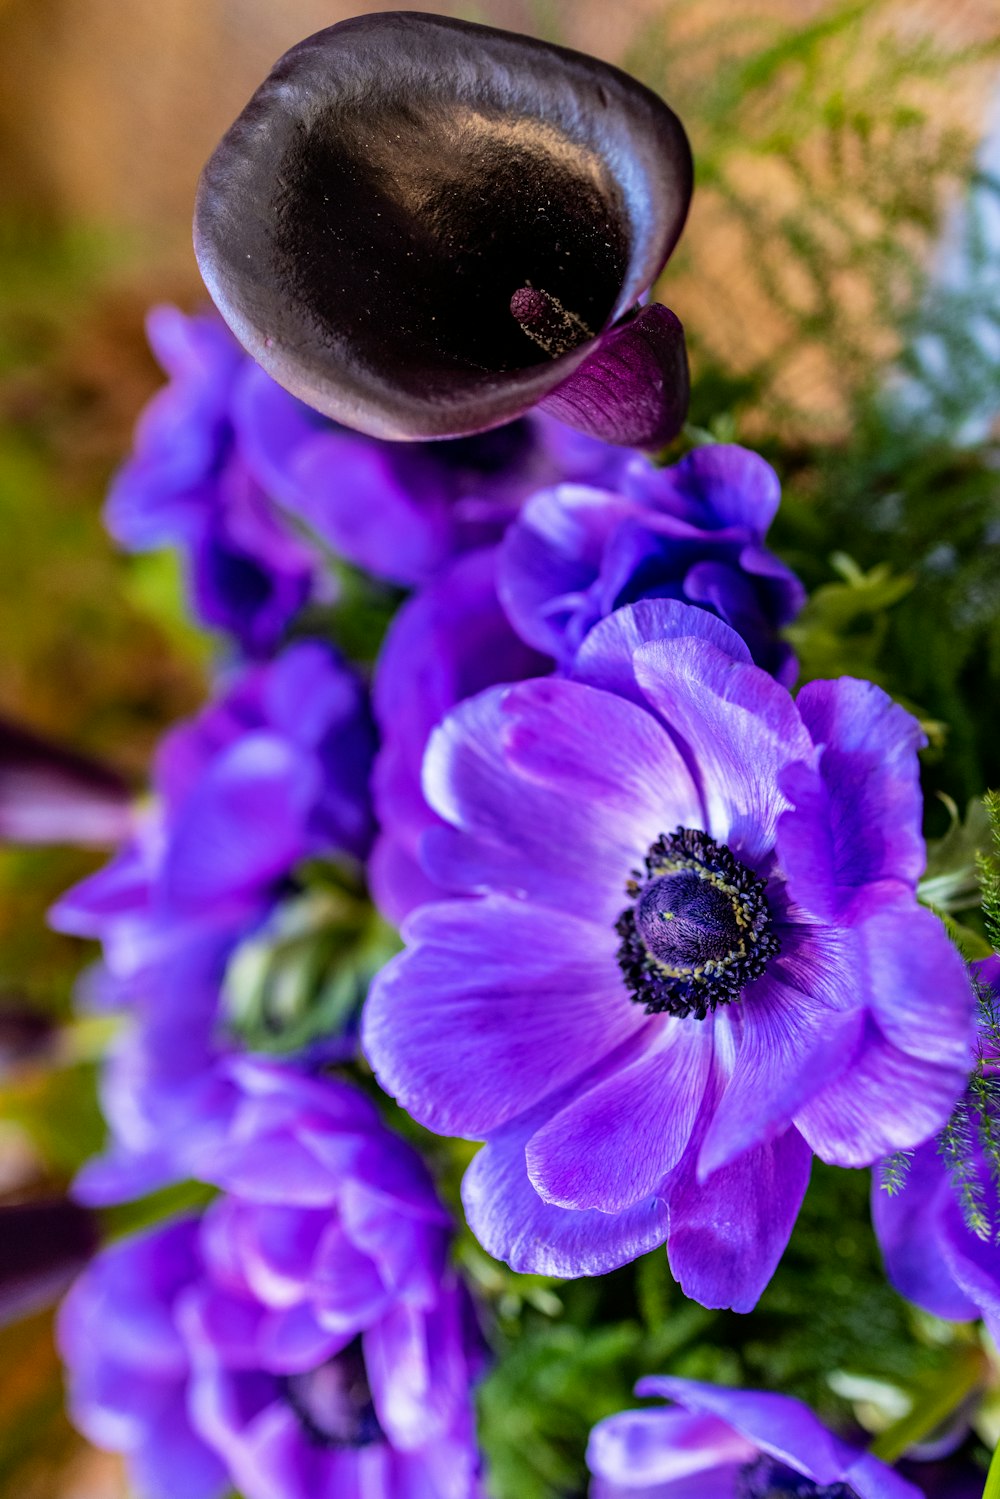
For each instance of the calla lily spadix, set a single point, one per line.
(424, 227)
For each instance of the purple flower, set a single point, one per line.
(188, 483)
(933, 1255)
(693, 532)
(447, 643)
(402, 510)
(730, 1444)
(691, 954)
(274, 771)
(424, 227)
(305, 1338)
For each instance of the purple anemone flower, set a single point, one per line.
(693, 532)
(690, 954)
(730, 1444)
(934, 1255)
(188, 483)
(273, 771)
(305, 1338)
(447, 643)
(424, 227)
(402, 510)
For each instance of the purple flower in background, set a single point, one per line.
(447, 643)
(402, 510)
(935, 1254)
(693, 532)
(305, 1338)
(730, 1444)
(425, 227)
(188, 483)
(273, 771)
(232, 468)
(691, 955)
(127, 1366)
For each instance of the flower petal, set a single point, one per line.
(512, 1222)
(776, 1424)
(559, 791)
(641, 1448)
(496, 1004)
(727, 1234)
(614, 1144)
(739, 729)
(790, 1044)
(634, 388)
(909, 1225)
(886, 1100)
(606, 658)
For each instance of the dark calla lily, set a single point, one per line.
(44, 1244)
(49, 794)
(424, 227)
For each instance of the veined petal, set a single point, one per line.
(738, 729)
(561, 787)
(614, 1144)
(512, 1222)
(886, 1100)
(728, 1233)
(790, 1045)
(496, 1004)
(607, 657)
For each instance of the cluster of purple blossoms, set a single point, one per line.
(688, 954)
(273, 771)
(305, 1337)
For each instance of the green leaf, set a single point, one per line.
(992, 1489)
(938, 1397)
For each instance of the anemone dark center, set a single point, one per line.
(767, 1479)
(698, 929)
(333, 1403)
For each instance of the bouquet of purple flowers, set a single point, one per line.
(508, 665)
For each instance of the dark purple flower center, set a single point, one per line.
(333, 1403)
(698, 929)
(767, 1479)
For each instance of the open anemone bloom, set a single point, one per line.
(690, 954)
(694, 532)
(304, 1338)
(423, 228)
(188, 484)
(730, 1444)
(447, 642)
(935, 1255)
